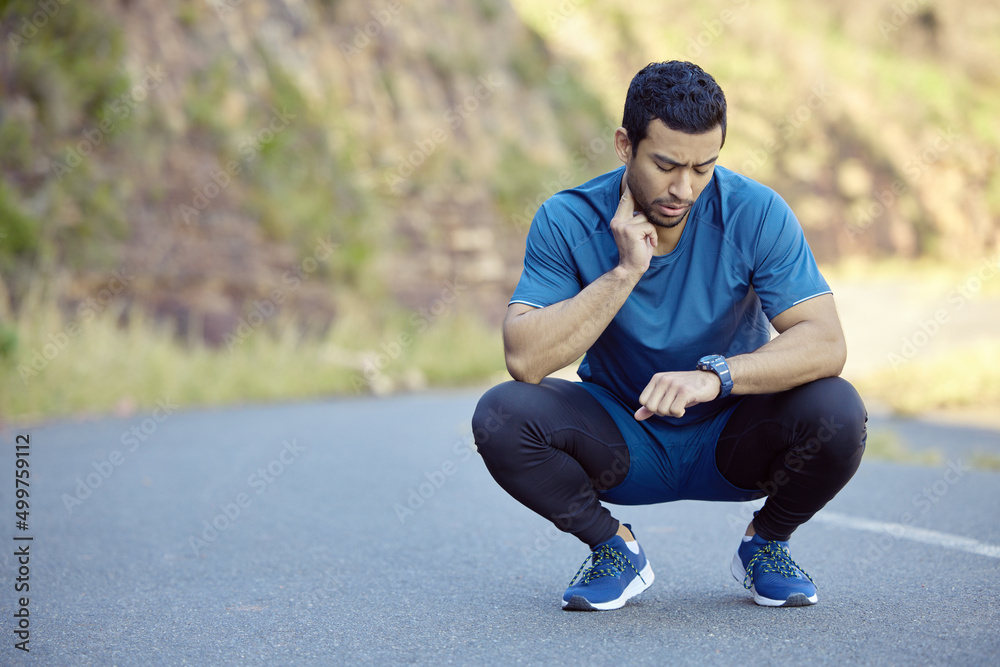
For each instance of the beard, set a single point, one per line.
(648, 208)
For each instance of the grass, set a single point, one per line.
(986, 461)
(102, 367)
(967, 377)
(960, 377)
(933, 275)
(886, 445)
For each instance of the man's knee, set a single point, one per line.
(837, 418)
(495, 415)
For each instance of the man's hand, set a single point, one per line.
(538, 341)
(670, 394)
(634, 235)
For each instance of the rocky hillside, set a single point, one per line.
(236, 154)
(874, 119)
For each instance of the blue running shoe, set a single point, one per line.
(610, 576)
(768, 571)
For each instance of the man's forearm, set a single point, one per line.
(805, 352)
(539, 342)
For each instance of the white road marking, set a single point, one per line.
(902, 531)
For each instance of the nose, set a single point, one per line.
(680, 186)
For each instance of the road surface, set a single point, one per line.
(367, 530)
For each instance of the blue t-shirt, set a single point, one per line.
(741, 260)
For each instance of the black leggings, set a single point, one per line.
(553, 446)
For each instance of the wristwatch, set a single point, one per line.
(716, 363)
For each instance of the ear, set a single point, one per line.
(623, 147)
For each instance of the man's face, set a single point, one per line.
(669, 170)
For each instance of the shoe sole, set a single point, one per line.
(794, 600)
(637, 585)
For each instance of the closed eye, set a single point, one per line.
(660, 160)
(667, 171)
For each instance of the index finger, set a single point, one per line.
(626, 204)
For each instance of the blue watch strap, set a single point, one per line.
(716, 363)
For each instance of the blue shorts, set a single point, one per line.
(668, 462)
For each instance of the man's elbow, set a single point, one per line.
(521, 371)
(837, 356)
(518, 364)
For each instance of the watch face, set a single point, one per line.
(716, 363)
(708, 363)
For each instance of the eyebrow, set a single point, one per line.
(664, 158)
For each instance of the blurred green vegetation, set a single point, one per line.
(965, 377)
(831, 104)
(320, 109)
(935, 277)
(986, 461)
(78, 368)
(886, 445)
(47, 216)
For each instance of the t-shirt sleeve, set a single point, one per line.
(550, 274)
(785, 270)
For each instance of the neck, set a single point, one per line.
(667, 238)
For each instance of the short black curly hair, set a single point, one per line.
(681, 94)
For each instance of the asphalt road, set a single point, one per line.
(366, 530)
